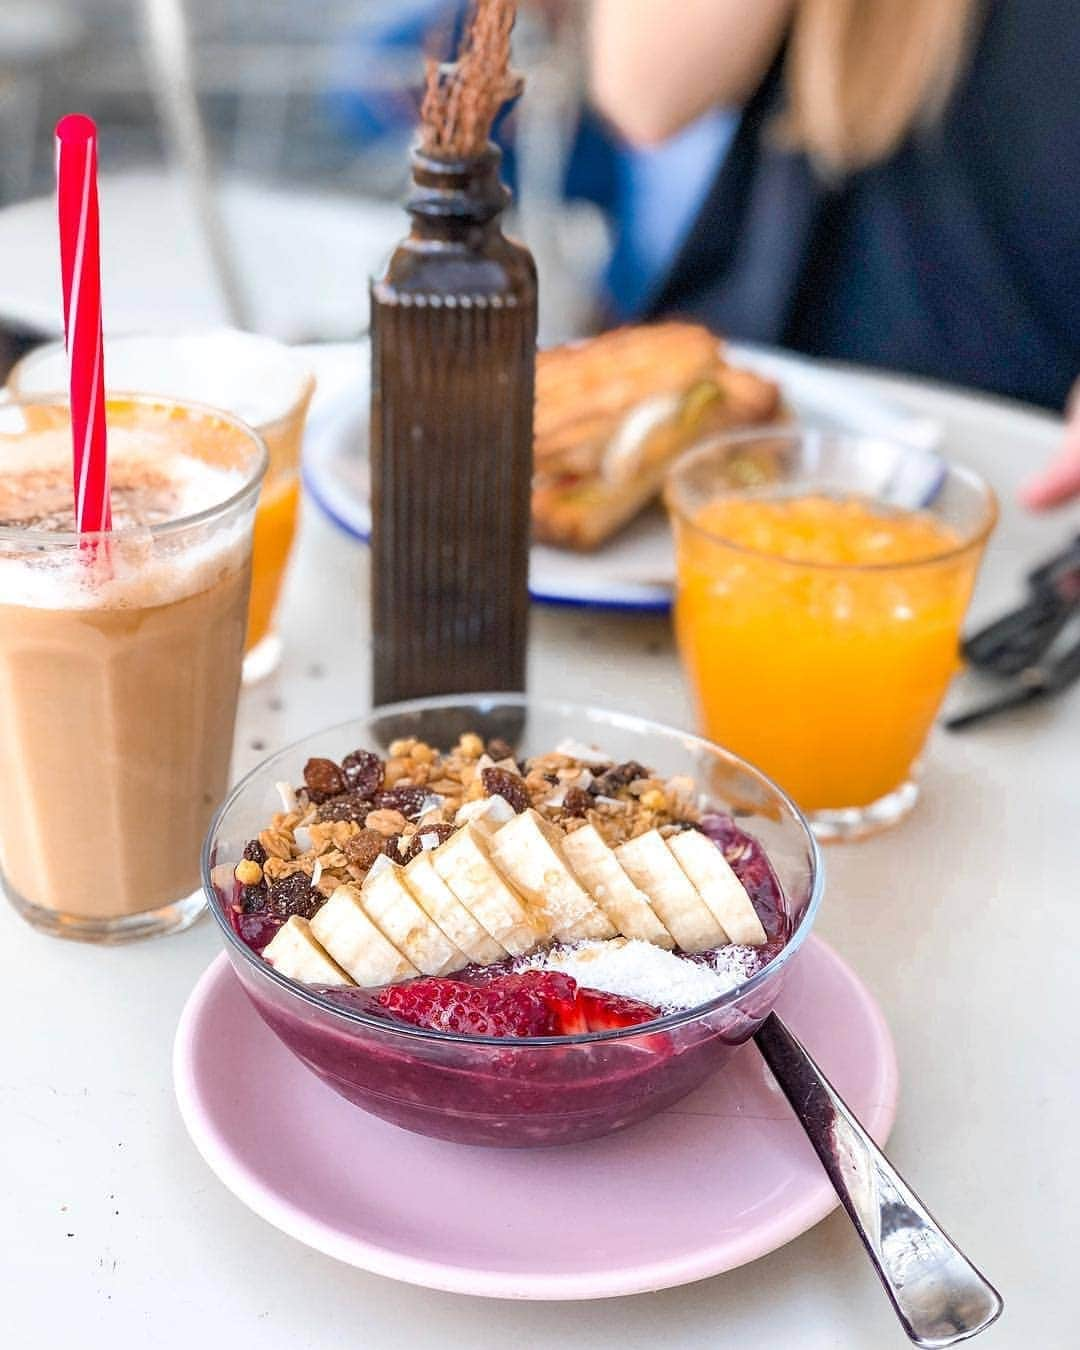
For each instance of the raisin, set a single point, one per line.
(500, 749)
(254, 852)
(509, 786)
(576, 802)
(363, 848)
(294, 895)
(253, 898)
(408, 800)
(363, 772)
(414, 844)
(323, 779)
(609, 783)
(349, 806)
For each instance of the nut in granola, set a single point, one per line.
(385, 822)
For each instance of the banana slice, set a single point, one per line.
(464, 863)
(652, 867)
(443, 907)
(528, 850)
(390, 904)
(599, 871)
(357, 944)
(294, 951)
(487, 812)
(718, 886)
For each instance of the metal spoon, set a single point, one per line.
(939, 1296)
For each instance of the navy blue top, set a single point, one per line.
(957, 258)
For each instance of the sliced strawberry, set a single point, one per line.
(534, 1003)
(608, 1012)
(561, 994)
(444, 1005)
(530, 1004)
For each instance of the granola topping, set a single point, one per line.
(345, 816)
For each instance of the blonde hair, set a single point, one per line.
(861, 74)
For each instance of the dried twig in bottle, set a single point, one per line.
(462, 97)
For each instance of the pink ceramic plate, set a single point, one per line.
(718, 1180)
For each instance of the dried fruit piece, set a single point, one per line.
(348, 806)
(363, 848)
(254, 852)
(416, 842)
(253, 898)
(497, 748)
(363, 772)
(609, 783)
(323, 779)
(510, 786)
(294, 895)
(577, 802)
(408, 800)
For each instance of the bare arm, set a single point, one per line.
(656, 65)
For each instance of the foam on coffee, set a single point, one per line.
(153, 483)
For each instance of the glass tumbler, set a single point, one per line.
(826, 673)
(120, 660)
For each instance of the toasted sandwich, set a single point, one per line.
(614, 411)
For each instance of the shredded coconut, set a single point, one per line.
(736, 962)
(584, 754)
(637, 969)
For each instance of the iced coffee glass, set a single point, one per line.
(252, 377)
(120, 660)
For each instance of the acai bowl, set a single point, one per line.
(579, 1020)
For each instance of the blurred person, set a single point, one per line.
(903, 189)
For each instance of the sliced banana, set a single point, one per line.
(528, 850)
(488, 812)
(357, 944)
(464, 863)
(442, 906)
(391, 905)
(651, 866)
(295, 952)
(600, 872)
(718, 886)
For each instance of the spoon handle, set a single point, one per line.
(939, 1296)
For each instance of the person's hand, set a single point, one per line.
(1059, 481)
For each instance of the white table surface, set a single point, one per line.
(303, 259)
(113, 1232)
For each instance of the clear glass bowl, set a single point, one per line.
(528, 1092)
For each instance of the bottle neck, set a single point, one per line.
(456, 199)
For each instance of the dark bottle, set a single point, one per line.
(453, 326)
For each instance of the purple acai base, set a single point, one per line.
(523, 1093)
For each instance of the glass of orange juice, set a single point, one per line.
(822, 583)
(254, 378)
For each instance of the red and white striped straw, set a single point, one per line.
(80, 268)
